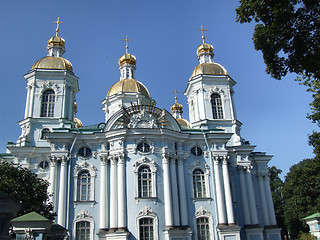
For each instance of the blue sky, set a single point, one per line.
(165, 39)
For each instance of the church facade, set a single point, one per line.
(145, 173)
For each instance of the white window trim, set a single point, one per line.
(217, 90)
(83, 215)
(205, 168)
(203, 212)
(93, 171)
(149, 213)
(151, 164)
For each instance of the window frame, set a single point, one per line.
(205, 169)
(147, 212)
(84, 166)
(83, 215)
(153, 169)
(202, 212)
(48, 99)
(217, 106)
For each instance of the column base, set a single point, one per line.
(254, 232)
(178, 233)
(272, 232)
(113, 234)
(230, 232)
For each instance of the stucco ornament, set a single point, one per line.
(202, 211)
(146, 211)
(143, 120)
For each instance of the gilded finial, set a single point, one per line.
(127, 40)
(57, 29)
(202, 31)
(175, 95)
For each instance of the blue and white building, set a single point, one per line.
(145, 173)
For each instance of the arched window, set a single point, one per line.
(83, 230)
(84, 185)
(47, 104)
(203, 229)
(199, 184)
(144, 182)
(145, 179)
(216, 104)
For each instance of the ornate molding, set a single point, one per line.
(202, 211)
(147, 211)
(83, 215)
(146, 161)
(84, 166)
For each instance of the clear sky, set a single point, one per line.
(165, 39)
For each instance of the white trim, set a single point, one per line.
(92, 170)
(147, 212)
(83, 215)
(144, 161)
(205, 168)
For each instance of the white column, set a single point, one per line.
(122, 210)
(63, 192)
(227, 190)
(167, 191)
(221, 208)
(70, 107)
(113, 192)
(32, 100)
(175, 198)
(272, 215)
(263, 200)
(245, 202)
(182, 194)
(252, 199)
(63, 99)
(26, 113)
(53, 180)
(103, 193)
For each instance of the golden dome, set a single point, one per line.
(183, 122)
(205, 47)
(78, 122)
(128, 86)
(176, 107)
(209, 69)
(56, 41)
(49, 62)
(127, 58)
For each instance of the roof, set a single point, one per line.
(315, 215)
(30, 217)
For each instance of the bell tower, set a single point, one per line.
(51, 89)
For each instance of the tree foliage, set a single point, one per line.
(24, 186)
(301, 193)
(287, 33)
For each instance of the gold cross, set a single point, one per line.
(127, 40)
(58, 23)
(202, 30)
(175, 95)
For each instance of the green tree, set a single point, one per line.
(276, 185)
(24, 186)
(288, 35)
(301, 193)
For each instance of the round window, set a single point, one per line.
(143, 147)
(85, 152)
(196, 151)
(44, 165)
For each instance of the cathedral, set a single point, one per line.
(145, 173)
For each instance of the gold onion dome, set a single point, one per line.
(209, 69)
(127, 58)
(176, 107)
(128, 86)
(205, 48)
(50, 62)
(56, 41)
(183, 122)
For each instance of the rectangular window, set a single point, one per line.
(146, 229)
